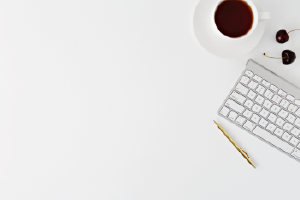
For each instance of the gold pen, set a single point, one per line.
(244, 154)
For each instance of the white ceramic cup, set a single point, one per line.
(257, 17)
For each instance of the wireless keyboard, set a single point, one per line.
(267, 106)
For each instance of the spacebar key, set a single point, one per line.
(273, 140)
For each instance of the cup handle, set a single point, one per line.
(263, 16)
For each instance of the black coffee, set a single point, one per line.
(234, 18)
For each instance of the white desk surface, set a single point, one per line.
(115, 100)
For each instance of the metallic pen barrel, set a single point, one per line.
(244, 154)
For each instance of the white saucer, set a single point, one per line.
(216, 44)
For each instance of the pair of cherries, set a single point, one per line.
(288, 56)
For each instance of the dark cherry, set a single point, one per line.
(288, 57)
(282, 36)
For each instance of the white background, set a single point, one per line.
(114, 100)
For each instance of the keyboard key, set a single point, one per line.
(257, 78)
(276, 99)
(284, 103)
(290, 98)
(267, 104)
(295, 132)
(278, 132)
(283, 113)
(266, 83)
(287, 127)
(260, 89)
(252, 85)
(232, 116)
(224, 111)
(256, 108)
(269, 94)
(255, 118)
(234, 106)
(297, 122)
(297, 102)
(282, 93)
(240, 120)
(298, 112)
(286, 136)
(294, 141)
(273, 140)
(249, 104)
(292, 108)
(242, 89)
(259, 99)
(248, 114)
(296, 153)
(249, 73)
(239, 98)
(249, 126)
(291, 118)
(264, 113)
(279, 122)
(271, 127)
(263, 122)
(275, 109)
(245, 80)
(272, 118)
(273, 88)
(251, 94)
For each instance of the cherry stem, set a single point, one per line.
(293, 30)
(273, 57)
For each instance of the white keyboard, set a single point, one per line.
(267, 106)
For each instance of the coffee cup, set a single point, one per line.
(236, 19)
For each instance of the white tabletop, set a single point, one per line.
(116, 99)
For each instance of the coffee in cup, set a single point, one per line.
(236, 19)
